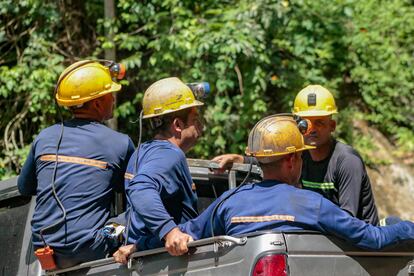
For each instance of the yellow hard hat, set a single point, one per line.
(166, 96)
(84, 81)
(275, 136)
(314, 100)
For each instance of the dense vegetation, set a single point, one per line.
(256, 55)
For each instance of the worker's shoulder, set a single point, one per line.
(116, 134)
(49, 130)
(295, 195)
(88, 135)
(275, 187)
(106, 138)
(345, 152)
(163, 149)
(269, 191)
(79, 127)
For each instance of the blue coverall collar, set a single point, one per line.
(269, 183)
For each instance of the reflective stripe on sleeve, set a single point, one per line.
(317, 185)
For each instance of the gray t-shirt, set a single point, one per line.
(343, 179)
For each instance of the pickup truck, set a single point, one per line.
(258, 253)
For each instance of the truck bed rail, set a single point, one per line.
(219, 240)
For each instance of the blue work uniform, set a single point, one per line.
(270, 205)
(342, 178)
(160, 196)
(91, 165)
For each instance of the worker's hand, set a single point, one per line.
(226, 161)
(122, 254)
(176, 242)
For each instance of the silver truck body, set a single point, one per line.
(305, 252)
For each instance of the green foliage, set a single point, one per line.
(28, 69)
(381, 60)
(256, 55)
(31, 59)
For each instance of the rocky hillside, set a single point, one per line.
(393, 183)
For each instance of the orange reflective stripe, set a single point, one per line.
(261, 218)
(75, 160)
(128, 176)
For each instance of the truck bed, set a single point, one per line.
(306, 253)
(296, 253)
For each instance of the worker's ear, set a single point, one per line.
(100, 108)
(332, 125)
(289, 160)
(178, 125)
(97, 103)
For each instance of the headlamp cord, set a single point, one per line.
(59, 111)
(135, 170)
(228, 196)
(53, 184)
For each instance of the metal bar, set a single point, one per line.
(411, 268)
(119, 198)
(14, 192)
(83, 265)
(8, 188)
(232, 180)
(214, 190)
(237, 241)
(212, 165)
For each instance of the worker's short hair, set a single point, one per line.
(273, 161)
(75, 107)
(162, 124)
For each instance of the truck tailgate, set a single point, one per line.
(316, 254)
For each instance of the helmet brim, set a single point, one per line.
(259, 155)
(315, 113)
(307, 147)
(196, 103)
